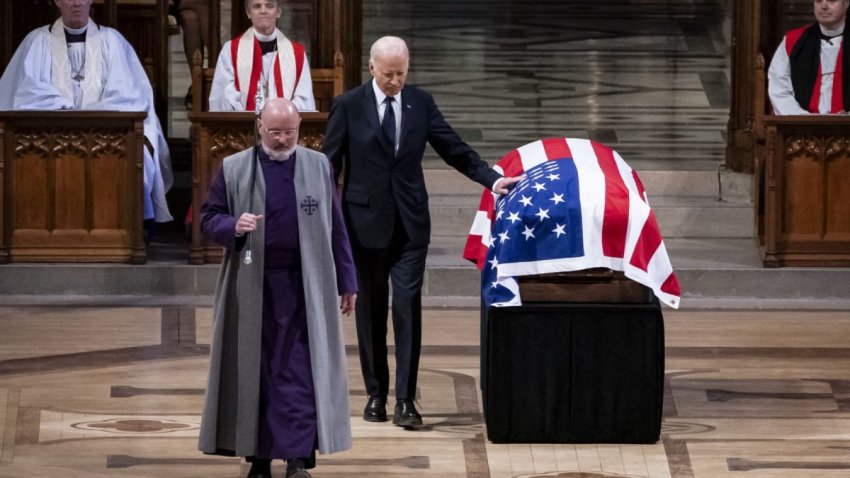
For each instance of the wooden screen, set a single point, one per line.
(71, 187)
(805, 215)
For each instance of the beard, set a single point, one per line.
(280, 154)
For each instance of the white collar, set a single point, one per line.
(262, 37)
(76, 31)
(832, 33)
(380, 96)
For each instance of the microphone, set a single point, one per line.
(259, 101)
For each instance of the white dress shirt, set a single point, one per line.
(380, 97)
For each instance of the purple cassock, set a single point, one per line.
(287, 418)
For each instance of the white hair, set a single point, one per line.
(388, 46)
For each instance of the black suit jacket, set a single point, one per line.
(378, 182)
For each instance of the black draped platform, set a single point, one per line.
(573, 373)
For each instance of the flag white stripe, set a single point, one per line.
(532, 154)
(591, 181)
(480, 225)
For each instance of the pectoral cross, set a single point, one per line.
(78, 77)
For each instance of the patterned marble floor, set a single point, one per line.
(116, 391)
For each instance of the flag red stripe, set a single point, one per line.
(556, 148)
(511, 164)
(639, 184)
(614, 228)
(671, 286)
(648, 242)
(474, 250)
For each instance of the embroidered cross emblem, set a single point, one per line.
(309, 205)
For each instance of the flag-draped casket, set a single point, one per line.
(579, 207)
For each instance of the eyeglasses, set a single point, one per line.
(277, 133)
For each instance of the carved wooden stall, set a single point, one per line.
(334, 26)
(757, 29)
(745, 40)
(144, 24)
(19, 18)
(801, 164)
(804, 177)
(337, 27)
(71, 187)
(5, 34)
(216, 135)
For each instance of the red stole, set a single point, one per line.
(256, 70)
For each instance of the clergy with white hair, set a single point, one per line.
(76, 64)
(261, 57)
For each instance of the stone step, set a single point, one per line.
(657, 183)
(678, 216)
(686, 203)
(714, 273)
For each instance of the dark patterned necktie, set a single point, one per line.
(388, 124)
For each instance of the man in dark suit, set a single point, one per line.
(376, 135)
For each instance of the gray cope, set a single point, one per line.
(231, 409)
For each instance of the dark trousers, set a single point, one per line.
(404, 264)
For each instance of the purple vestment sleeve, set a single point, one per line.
(346, 275)
(217, 223)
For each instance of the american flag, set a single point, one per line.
(580, 206)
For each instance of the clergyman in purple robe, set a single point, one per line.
(277, 385)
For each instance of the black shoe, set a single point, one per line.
(406, 415)
(148, 230)
(376, 409)
(260, 469)
(187, 100)
(295, 468)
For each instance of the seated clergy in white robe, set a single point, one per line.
(75, 64)
(809, 71)
(261, 55)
